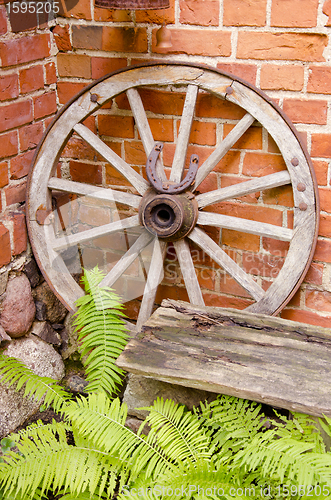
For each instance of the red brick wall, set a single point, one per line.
(281, 46)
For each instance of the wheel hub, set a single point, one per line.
(170, 217)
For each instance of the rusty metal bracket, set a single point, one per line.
(169, 187)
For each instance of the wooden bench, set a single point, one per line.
(262, 358)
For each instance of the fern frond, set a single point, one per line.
(14, 372)
(178, 431)
(102, 422)
(48, 462)
(37, 430)
(101, 333)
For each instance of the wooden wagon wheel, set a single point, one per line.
(173, 210)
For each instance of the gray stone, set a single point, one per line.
(55, 310)
(40, 310)
(43, 360)
(3, 282)
(18, 309)
(3, 335)
(141, 391)
(44, 330)
(32, 272)
(69, 338)
(75, 383)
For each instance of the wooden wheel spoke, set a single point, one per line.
(243, 188)
(90, 234)
(139, 114)
(245, 225)
(116, 161)
(95, 192)
(223, 148)
(187, 267)
(220, 257)
(127, 259)
(184, 134)
(154, 278)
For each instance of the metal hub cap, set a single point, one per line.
(170, 217)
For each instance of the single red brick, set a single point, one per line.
(260, 164)
(284, 46)
(327, 11)
(85, 172)
(229, 164)
(113, 15)
(77, 65)
(116, 126)
(87, 37)
(315, 274)
(20, 165)
(32, 78)
(321, 145)
(306, 317)
(50, 73)
(162, 129)
(9, 87)
(325, 225)
(45, 105)
(3, 174)
(15, 193)
(30, 135)
(210, 106)
(321, 301)
(287, 77)
(8, 144)
(15, 114)
(135, 153)
(124, 39)
(244, 12)
(62, 38)
(282, 196)
(214, 300)
(23, 50)
(304, 111)
(275, 247)
(240, 240)
(67, 90)
(294, 13)
(77, 10)
(199, 12)
(5, 250)
(323, 251)
(325, 199)
(77, 149)
(203, 133)
(164, 103)
(319, 80)
(245, 71)
(3, 21)
(195, 42)
(19, 232)
(321, 172)
(267, 266)
(101, 66)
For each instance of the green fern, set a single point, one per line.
(14, 372)
(101, 333)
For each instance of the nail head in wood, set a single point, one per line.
(301, 187)
(229, 90)
(94, 97)
(295, 162)
(303, 206)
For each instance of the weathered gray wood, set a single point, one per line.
(188, 271)
(96, 192)
(227, 143)
(127, 259)
(154, 278)
(178, 163)
(243, 188)
(109, 155)
(141, 120)
(222, 259)
(245, 225)
(267, 359)
(95, 232)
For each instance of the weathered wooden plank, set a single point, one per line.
(267, 359)
(243, 188)
(245, 225)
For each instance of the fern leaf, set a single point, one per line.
(103, 423)
(101, 333)
(178, 431)
(14, 372)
